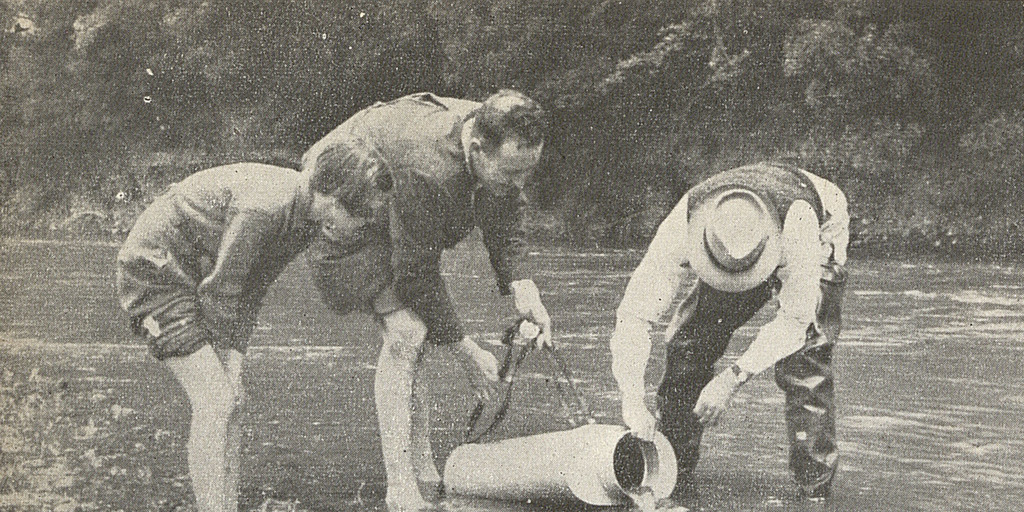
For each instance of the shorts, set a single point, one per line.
(159, 295)
(353, 277)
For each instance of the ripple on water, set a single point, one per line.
(980, 448)
(918, 294)
(869, 422)
(967, 297)
(977, 297)
(999, 313)
(1008, 286)
(872, 293)
(1013, 399)
(1001, 327)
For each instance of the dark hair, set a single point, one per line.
(353, 171)
(509, 112)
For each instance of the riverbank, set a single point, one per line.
(999, 241)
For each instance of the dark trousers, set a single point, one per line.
(706, 321)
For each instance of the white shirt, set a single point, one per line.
(807, 245)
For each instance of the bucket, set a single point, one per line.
(596, 464)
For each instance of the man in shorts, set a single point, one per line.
(749, 235)
(454, 165)
(195, 268)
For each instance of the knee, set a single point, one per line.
(404, 335)
(807, 370)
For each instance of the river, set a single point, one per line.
(930, 386)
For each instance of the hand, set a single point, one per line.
(639, 419)
(480, 366)
(529, 306)
(714, 398)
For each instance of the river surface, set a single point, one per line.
(930, 385)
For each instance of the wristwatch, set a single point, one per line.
(742, 376)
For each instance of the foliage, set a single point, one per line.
(846, 75)
(646, 97)
(995, 149)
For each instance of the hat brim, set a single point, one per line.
(717, 277)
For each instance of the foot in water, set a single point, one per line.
(431, 489)
(408, 502)
(820, 495)
(818, 492)
(427, 478)
(644, 501)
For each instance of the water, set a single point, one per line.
(929, 385)
(644, 500)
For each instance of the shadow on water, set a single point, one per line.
(930, 387)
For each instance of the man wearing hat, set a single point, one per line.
(748, 234)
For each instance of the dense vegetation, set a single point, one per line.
(916, 108)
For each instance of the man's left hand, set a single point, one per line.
(715, 397)
(480, 366)
(527, 299)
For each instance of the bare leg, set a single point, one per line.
(404, 334)
(212, 397)
(233, 364)
(422, 452)
(232, 461)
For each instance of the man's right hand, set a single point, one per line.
(639, 419)
(480, 366)
(631, 347)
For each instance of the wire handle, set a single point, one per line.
(570, 394)
(514, 356)
(517, 348)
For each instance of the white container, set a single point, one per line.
(596, 464)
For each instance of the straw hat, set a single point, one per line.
(733, 240)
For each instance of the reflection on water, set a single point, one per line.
(930, 380)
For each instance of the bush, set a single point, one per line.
(995, 174)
